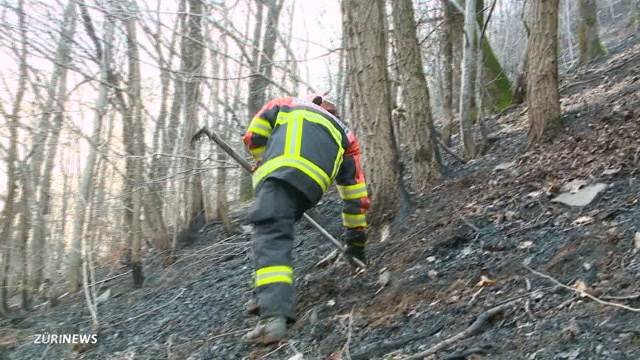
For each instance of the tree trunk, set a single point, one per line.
(45, 139)
(137, 148)
(588, 37)
(262, 66)
(467, 82)
(222, 201)
(192, 53)
(424, 153)
(8, 212)
(542, 89)
(495, 86)
(42, 213)
(634, 15)
(82, 198)
(25, 226)
(449, 67)
(370, 104)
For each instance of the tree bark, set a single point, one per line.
(25, 226)
(137, 150)
(192, 53)
(426, 164)
(262, 67)
(370, 104)
(45, 141)
(450, 68)
(542, 88)
(496, 86)
(588, 38)
(11, 175)
(467, 82)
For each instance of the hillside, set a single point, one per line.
(489, 236)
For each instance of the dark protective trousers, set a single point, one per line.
(277, 207)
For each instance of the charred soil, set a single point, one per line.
(483, 238)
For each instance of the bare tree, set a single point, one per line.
(370, 103)
(8, 212)
(451, 73)
(133, 124)
(82, 197)
(192, 53)
(262, 64)
(589, 39)
(424, 153)
(468, 80)
(542, 86)
(40, 223)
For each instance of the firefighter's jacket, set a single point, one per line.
(299, 142)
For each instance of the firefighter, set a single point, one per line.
(301, 146)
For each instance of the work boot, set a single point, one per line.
(268, 331)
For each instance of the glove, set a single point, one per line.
(355, 240)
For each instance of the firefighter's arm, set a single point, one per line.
(259, 130)
(353, 191)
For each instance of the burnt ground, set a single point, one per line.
(471, 245)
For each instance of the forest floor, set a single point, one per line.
(484, 238)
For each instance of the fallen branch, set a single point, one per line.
(460, 355)
(622, 297)
(150, 311)
(527, 304)
(469, 224)
(109, 278)
(373, 350)
(581, 292)
(449, 151)
(472, 330)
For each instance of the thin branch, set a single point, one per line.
(472, 330)
(581, 292)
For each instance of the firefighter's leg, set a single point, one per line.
(276, 209)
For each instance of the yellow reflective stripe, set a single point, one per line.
(350, 192)
(302, 164)
(274, 279)
(257, 152)
(319, 119)
(260, 126)
(284, 118)
(293, 137)
(298, 135)
(274, 274)
(337, 163)
(354, 220)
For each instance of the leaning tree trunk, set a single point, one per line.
(370, 103)
(588, 38)
(468, 78)
(542, 88)
(82, 198)
(419, 124)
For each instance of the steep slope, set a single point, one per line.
(470, 246)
